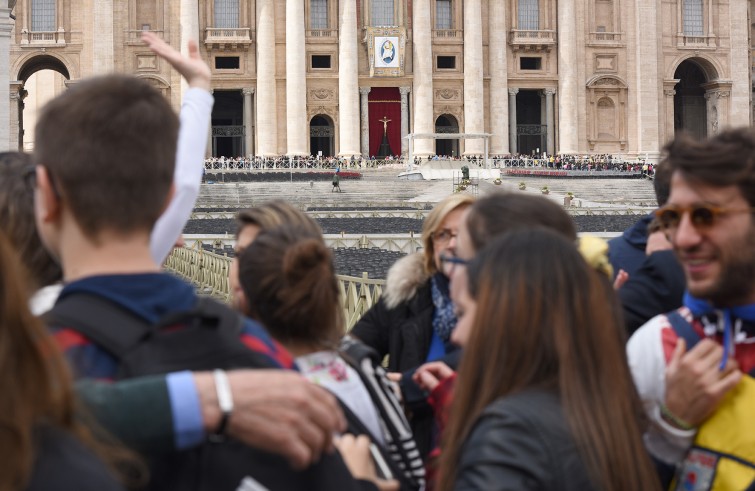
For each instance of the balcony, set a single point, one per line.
(46, 39)
(605, 38)
(134, 37)
(696, 42)
(449, 36)
(322, 35)
(228, 38)
(531, 40)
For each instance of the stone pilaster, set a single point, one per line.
(248, 125)
(365, 119)
(497, 55)
(667, 131)
(404, 91)
(267, 110)
(647, 78)
(296, 79)
(102, 38)
(474, 119)
(512, 120)
(549, 122)
(6, 26)
(423, 77)
(189, 30)
(348, 80)
(568, 114)
(16, 107)
(738, 105)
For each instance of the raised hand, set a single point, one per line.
(196, 72)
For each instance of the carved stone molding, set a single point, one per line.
(247, 91)
(549, 91)
(321, 94)
(404, 90)
(513, 91)
(447, 94)
(669, 92)
(363, 90)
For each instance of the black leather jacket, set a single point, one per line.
(522, 442)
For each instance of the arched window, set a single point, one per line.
(318, 14)
(693, 17)
(443, 14)
(43, 15)
(528, 12)
(227, 14)
(383, 13)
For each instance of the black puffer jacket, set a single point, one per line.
(522, 442)
(400, 325)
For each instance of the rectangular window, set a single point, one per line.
(227, 63)
(530, 63)
(446, 63)
(693, 17)
(227, 14)
(529, 15)
(320, 61)
(443, 14)
(43, 16)
(382, 13)
(318, 10)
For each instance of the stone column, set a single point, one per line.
(6, 113)
(267, 109)
(667, 132)
(348, 80)
(189, 30)
(568, 115)
(497, 54)
(248, 128)
(512, 120)
(549, 122)
(296, 79)
(739, 105)
(365, 119)
(646, 78)
(404, 118)
(16, 107)
(474, 119)
(102, 37)
(423, 77)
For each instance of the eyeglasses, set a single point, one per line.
(443, 236)
(448, 262)
(702, 216)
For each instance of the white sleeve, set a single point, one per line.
(648, 365)
(192, 143)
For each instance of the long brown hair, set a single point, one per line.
(546, 319)
(289, 281)
(37, 386)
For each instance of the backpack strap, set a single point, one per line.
(208, 313)
(683, 329)
(92, 316)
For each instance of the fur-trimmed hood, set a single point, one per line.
(404, 278)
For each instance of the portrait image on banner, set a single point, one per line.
(386, 52)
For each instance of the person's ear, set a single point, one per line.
(48, 201)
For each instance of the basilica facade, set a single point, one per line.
(342, 77)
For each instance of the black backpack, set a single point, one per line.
(203, 338)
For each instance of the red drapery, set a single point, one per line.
(385, 102)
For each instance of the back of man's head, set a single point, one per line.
(725, 159)
(109, 146)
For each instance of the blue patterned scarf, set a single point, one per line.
(444, 319)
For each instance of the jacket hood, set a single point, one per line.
(637, 234)
(404, 278)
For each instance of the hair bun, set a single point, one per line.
(303, 258)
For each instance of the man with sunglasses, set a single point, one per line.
(693, 366)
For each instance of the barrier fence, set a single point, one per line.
(208, 272)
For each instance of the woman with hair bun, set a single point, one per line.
(289, 286)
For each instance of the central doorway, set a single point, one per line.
(228, 124)
(530, 130)
(446, 124)
(321, 133)
(690, 113)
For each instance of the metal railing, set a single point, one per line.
(245, 164)
(208, 272)
(406, 243)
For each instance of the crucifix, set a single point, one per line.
(385, 122)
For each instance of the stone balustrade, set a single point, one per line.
(43, 38)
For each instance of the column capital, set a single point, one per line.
(669, 92)
(549, 91)
(404, 90)
(365, 90)
(247, 91)
(513, 91)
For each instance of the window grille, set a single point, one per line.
(318, 14)
(382, 13)
(227, 14)
(43, 15)
(443, 14)
(529, 15)
(693, 17)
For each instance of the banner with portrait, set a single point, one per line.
(386, 50)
